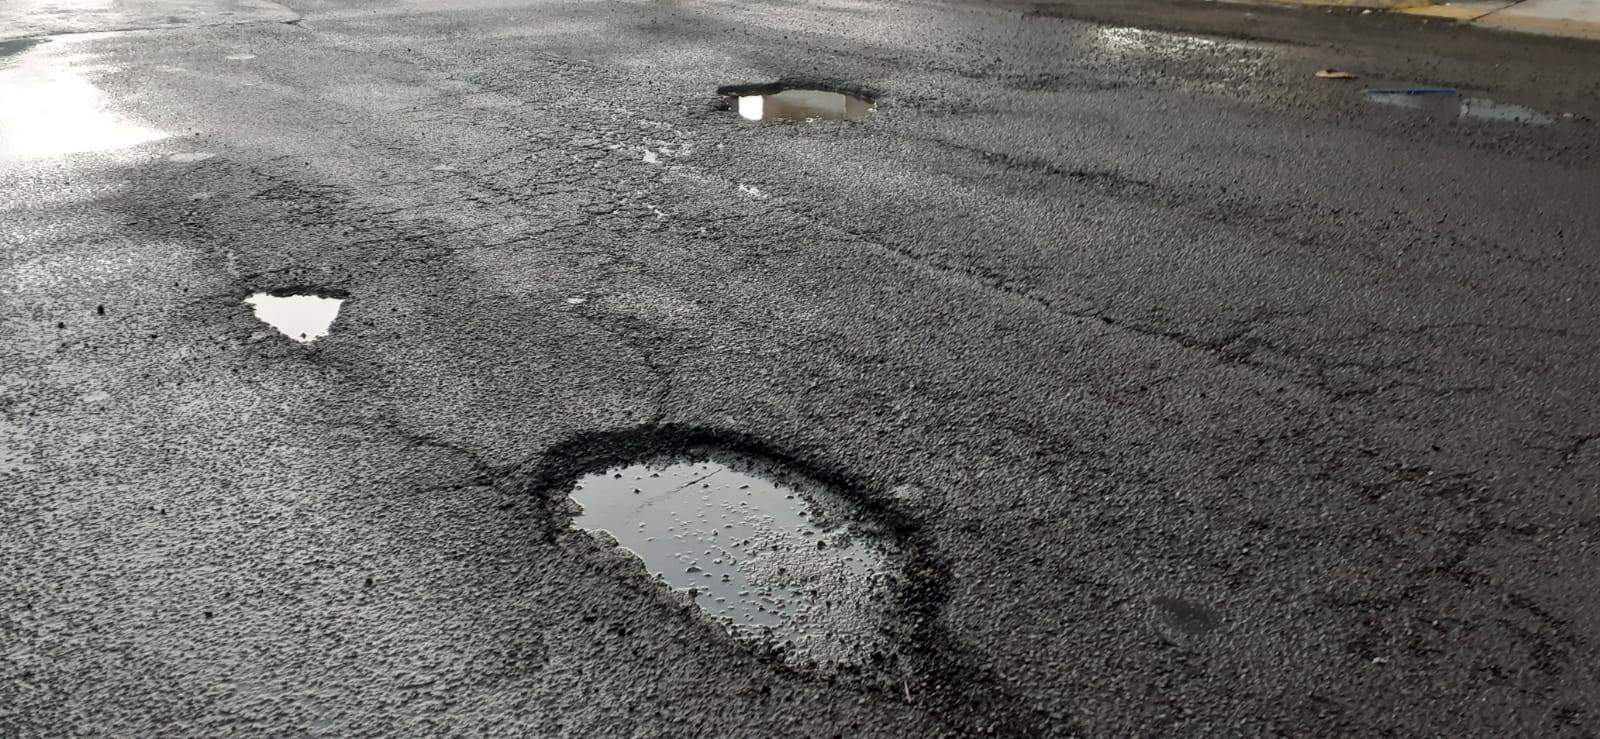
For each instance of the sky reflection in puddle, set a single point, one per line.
(752, 548)
(803, 105)
(304, 318)
(50, 109)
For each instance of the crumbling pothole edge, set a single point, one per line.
(823, 84)
(931, 669)
(728, 95)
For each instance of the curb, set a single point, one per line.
(1466, 12)
(1541, 26)
(1383, 5)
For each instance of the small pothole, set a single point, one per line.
(775, 558)
(796, 104)
(1180, 620)
(302, 317)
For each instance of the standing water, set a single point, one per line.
(770, 560)
(805, 105)
(304, 318)
(1445, 103)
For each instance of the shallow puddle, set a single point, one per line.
(50, 107)
(771, 558)
(1446, 103)
(1489, 110)
(802, 105)
(304, 318)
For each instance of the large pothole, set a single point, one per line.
(781, 102)
(779, 560)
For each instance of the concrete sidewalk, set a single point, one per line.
(1569, 18)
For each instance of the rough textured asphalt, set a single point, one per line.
(1211, 398)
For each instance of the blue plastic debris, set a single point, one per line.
(1412, 91)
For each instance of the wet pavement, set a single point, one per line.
(53, 108)
(1170, 389)
(39, 18)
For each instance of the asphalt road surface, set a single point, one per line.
(1202, 395)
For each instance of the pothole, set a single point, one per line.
(1182, 621)
(304, 318)
(1447, 103)
(778, 560)
(795, 104)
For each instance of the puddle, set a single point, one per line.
(51, 108)
(800, 105)
(770, 557)
(304, 318)
(1447, 103)
(1489, 110)
(16, 46)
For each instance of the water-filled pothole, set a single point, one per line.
(304, 318)
(1447, 102)
(773, 557)
(772, 103)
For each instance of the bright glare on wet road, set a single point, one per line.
(52, 109)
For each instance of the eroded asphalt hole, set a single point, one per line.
(1181, 621)
(776, 559)
(776, 102)
(302, 317)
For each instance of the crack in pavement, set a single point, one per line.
(646, 348)
(1219, 348)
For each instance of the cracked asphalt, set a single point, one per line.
(1210, 398)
